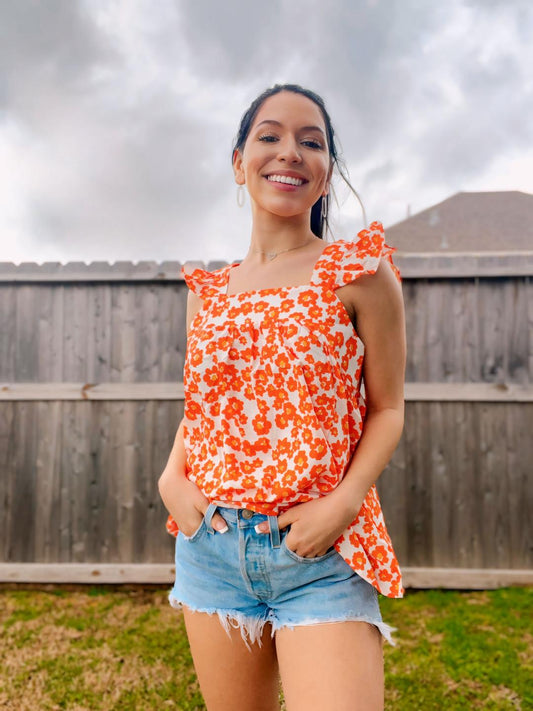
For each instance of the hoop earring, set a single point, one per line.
(324, 208)
(324, 215)
(240, 196)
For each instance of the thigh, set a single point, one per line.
(231, 676)
(331, 667)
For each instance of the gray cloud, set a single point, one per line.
(117, 119)
(48, 49)
(234, 40)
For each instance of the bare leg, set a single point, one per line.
(231, 676)
(331, 667)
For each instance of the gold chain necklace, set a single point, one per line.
(273, 255)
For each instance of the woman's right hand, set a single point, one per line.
(186, 503)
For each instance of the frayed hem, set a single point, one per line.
(385, 629)
(251, 629)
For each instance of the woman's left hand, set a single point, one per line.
(317, 524)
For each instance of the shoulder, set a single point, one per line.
(348, 260)
(202, 282)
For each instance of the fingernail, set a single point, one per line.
(222, 528)
(260, 528)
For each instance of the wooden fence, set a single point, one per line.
(91, 362)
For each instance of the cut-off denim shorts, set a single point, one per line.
(250, 579)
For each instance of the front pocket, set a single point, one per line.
(196, 534)
(332, 551)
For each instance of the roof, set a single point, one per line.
(469, 222)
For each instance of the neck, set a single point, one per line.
(271, 233)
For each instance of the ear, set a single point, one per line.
(328, 180)
(238, 168)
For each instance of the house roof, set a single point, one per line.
(468, 222)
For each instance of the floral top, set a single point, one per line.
(274, 402)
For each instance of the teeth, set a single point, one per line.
(285, 179)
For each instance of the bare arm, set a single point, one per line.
(377, 301)
(381, 326)
(182, 498)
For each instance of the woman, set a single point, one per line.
(271, 478)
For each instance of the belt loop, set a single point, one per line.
(274, 531)
(208, 517)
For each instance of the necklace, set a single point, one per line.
(273, 255)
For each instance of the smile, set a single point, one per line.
(285, 179)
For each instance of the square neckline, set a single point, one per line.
(273, 289)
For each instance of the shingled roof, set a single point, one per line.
(469, 222)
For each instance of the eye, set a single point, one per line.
(313, 143)
(267, 138)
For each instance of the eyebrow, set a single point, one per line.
(304, 128)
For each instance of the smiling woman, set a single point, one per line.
(281, 546)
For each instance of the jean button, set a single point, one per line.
(247, 513)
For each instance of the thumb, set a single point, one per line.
(285, 519)
(219, 524)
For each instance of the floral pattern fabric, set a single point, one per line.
(274, 401)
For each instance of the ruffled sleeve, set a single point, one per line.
(203, 283)
(347, 261)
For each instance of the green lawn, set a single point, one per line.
(116, 649)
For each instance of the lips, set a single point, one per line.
(294, 180)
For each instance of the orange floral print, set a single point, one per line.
(273, 402)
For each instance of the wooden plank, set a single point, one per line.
(51, 333)
(8, 454)
(125, 450)
(172, 333)
(163, 573)
(422, 265)
(529, 316)
(168, 415)
(466, 578)
(103, 548)
(491, 487)
(418, 513)
(80, 482)
(20, 546)
(25, 334)
(414, 392)
(47, 481)
(91, 391)
(143, 502)
(99, 366)
(517, 335)
(416, 320)
(79, 272)
(392, 487)
(94, 573)
(148, 321)
(461, 361)
(8, 312)
(466, 547)
(123, 334)
(492, 345)
(75, 298)
(65, 492)
(468, 392)
(436, 336)
(518, 503)
(437, 432)
(459, 265)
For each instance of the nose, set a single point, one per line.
(289, 151)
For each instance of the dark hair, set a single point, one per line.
(319, 213)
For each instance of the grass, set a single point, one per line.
(112, 649)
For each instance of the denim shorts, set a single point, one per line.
(250, 578)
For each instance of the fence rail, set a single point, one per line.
(91, 360)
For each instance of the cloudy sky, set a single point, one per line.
(117, 116)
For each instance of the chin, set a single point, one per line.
(286, 210)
